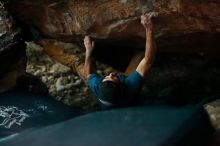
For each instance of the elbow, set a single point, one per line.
(149, 61)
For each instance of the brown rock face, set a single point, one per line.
(12, 51)
(192, 25)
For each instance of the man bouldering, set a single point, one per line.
(116, 89)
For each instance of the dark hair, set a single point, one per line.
(110, 92)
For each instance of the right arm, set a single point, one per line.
(89, 45)
(150, 49)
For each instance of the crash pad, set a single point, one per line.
(20, 111)
(134, 126)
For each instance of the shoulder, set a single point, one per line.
(93, 83)
(137, 74)
(134, 74)
(91, 76)
(135, 77)
(94, 79)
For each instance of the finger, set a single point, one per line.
(144, 19)
(149, 15)
(145, 13)
(85, 38)
(152, 14)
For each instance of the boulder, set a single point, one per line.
(12, 51)
(192, 25)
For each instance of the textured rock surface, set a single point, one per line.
(12, 51)
(192, 24)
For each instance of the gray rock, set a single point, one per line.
(59, 86)
(59, 68)
(77, 82)
(50, 78)
(38, 72)
(76, 77)
(44, 79)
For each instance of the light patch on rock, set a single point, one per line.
(77, 82)
(123, 1)
(31, 46)
(37, 73)
(59, 86)
(50, 78)
(59, 68)
(44, 79)
(121, 22)
(51, 28)
(213, 108)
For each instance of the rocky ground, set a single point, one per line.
(175, 79)
(60, 81)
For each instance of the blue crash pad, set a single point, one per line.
(20, 111)
(136, 126)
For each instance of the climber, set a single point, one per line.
(116, 89)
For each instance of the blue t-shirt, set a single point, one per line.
(131, 84)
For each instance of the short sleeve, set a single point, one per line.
(134, 83)
(93, 83)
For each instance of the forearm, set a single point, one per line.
(150, 47)
(88, 65)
